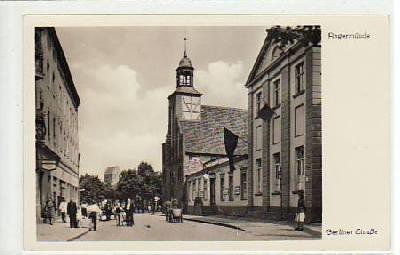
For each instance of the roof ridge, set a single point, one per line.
(225, 107)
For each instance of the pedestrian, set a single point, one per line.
(129, 213)
(84, 206)
(117, 212)
(108, 210)
(78, 217)
(72, 209)
(154, 207)
(63, 209)
(51, 211)
(300, 213)
(93, 211)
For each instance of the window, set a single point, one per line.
(222, 186)
(187, 82)
(259, 175)
(259, 138)
(205, 189)
(277, 170)
(198, 187)
(48, 125)
(193, 189)
(243, 184)
(38, 60)
(54, 128)
(277, 91)
(258, 102)
(300, 120)
(276, 130)
(299, 78)
(230, 187)
(190, 190)
(300, 160)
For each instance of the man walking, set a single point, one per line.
(71, 211)
(63, 209)
(129, 212)
(93, 210)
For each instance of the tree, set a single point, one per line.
(92, 188)
(144, 183)
(145, 169)
(151, 180)
(129, 185)
(288, 35)
(109, 192)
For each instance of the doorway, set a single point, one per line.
(212, 191)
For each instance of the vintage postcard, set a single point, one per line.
(199, 133)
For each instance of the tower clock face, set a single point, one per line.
(191, 107)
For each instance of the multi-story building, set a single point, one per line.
(112, 174)
(57, 102)
(285, 149)
(195, 135)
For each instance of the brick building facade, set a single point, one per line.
(57, 143)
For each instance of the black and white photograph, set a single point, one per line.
(178, 133)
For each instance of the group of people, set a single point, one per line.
(125, 213)
(71, 209)
(78, 215)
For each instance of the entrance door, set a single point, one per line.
(212, 191)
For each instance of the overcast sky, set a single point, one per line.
(124, 74)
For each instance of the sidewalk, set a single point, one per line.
(59, 231)
(259, 227)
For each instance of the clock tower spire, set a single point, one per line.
(185, 101)
(184, 71)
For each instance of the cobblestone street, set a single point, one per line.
(154, 227)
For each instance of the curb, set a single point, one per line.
(306, 228)
(223, 224)
(78, 236)
(312, 232)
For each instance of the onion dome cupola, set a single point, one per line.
(184, 72)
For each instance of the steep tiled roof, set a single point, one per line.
(207, 134)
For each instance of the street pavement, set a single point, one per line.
(150, 227)
(58, 232)
(255, 226)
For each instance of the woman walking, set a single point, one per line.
(50, 211)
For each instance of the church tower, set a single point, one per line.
(184, 104)
(185, 101)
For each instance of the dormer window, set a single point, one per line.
(276, 53)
